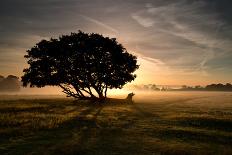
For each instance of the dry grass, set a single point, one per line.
(169, 124)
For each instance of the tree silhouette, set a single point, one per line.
(82, 64)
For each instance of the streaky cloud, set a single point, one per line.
(99, 23)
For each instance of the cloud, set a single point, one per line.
(99, 23)
(190, 32)
(144, 21)
(156, 61)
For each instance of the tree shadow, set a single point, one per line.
(86, 118)
(46, 139)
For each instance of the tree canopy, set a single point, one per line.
(83, 64)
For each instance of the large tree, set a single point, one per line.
(84, 65)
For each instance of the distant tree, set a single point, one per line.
(184, 87)
(219, 87)
(10, 83)
(146, 87)
(1, 77)
(198, 87)
(228, 86)
(82, 64)
(154, 87)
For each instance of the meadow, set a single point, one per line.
(156, 123)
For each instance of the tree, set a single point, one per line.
(82, 64)
(1, 78)
(9, 84)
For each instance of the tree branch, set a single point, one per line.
(106, 90)
(69, 92)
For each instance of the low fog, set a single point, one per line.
(11, 88)
(141, 96)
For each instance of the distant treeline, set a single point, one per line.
(9, 84)
(211, 87)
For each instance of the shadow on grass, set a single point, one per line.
(19, 110)
(82, 120)
(193, 135)
(136, 129)
(43, 138)
(208, 123)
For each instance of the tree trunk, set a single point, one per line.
(100, 95)
(105, 91)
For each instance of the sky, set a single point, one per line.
(176, 41)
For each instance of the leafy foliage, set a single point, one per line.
(80, 64)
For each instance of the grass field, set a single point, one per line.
(157, 123)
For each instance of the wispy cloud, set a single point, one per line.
(144, 21)
(99, 23)
(188, 27)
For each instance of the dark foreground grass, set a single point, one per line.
(186, 125)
